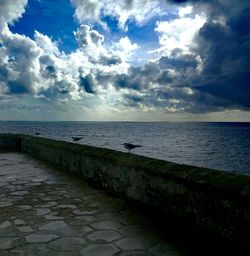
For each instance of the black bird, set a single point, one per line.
(130, 146)
(37, 133)
(76, 139)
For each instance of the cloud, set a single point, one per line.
(137, 78)
(87, 10)
(224, 51)
(215, 70)
(20, 63)
(88, 83)
(180, 62)
(39, 69)
(88, 38)
(202, 63)
(139, 11)
(180, 32)
(125, 48)
(11, 11)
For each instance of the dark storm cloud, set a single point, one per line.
(51, 69)
(4, 73)
(225, 51)
(109, 60)
(138, 78)
(224, 80)
(164, 78)
(60, 89)
(17, 87)
(177, 99)
(174, 82)
(88, 83)
(47, 67)
(181, 62)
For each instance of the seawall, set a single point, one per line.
(211, 201)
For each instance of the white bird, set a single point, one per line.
(130, 146)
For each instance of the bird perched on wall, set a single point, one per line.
(76, 139)
(130, 146)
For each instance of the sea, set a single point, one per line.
(223, 146)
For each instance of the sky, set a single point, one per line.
(125, 60)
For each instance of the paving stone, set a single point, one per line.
(39, 180)
(132, 243)
(5, 204)
(48, 205)
(107, 225)
(19, 182)
(136, 254)
(78, 212)
(24, 207)
(95, 204)
(19, 193)
(100, 250)
(103, 236)
(86, 219)
(43, 238)
(163, 249)
(8, 243)
(77, 200)
(5, 244)
(85, 229)
(31, 249)
(19, 222)
(67, 244)
(42, 211)
(53, 217)
(25, 229)
(5, 224)
(53, 225)
(65, 206)
(130, 231)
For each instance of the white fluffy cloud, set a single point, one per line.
(180, 32)
(20, 69)
(139, 11)
(38, 68)
(11, 10)
(125, 48)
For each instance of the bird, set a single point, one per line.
(130, 146)
(37, 133)
(76, 139)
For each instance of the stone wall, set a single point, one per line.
(211, 201)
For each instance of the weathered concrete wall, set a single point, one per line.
(10, 142)
(212, 201)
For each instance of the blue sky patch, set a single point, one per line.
(52, 18)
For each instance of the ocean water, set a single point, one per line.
(223, 146)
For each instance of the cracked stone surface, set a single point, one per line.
(46, 212)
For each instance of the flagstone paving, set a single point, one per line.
(46, 212)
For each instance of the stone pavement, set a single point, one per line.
(46, 212)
